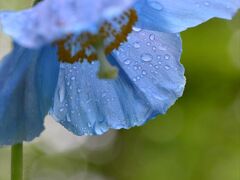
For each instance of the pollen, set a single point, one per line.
(77, 48)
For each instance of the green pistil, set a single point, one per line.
(106, 70)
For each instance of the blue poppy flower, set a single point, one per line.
(51, 68)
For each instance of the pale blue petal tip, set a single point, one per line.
(150, 80)
(176, 16)
(28, 79)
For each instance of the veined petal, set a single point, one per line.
(150, 80)
(178, 15)
(51, 20)
(27, 83)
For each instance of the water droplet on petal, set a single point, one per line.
(167, 67)
(136, 45)
(146, 57)
(166, 57)
(162, 47)
(68, 118)
(155, 5)
(127, 62)
(104, 95)
(152, 37)
(144, 72)
(136, 29)
(79, 90)
(61, 94)
(117, 52)
(89, 125)
(206, 3)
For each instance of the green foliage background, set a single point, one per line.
(198, 139)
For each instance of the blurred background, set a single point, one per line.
(198, 139)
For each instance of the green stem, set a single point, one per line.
(17, 162)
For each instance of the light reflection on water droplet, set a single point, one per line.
(136, 29)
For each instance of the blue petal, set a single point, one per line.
(176, 16)
(28, 80)
(151, 79)
(54, 19)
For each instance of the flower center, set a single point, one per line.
(86, 46)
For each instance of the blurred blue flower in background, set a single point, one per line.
(52, 67)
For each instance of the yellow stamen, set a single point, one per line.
(86, 41)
